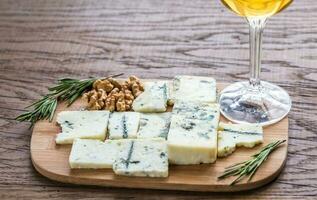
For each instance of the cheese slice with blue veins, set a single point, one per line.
(93, 154)
(196, 110)
(194, 88)
(142, 157)
(192, 138)
(232, 135)
(154, 125)
(164, 86)
(153, 99)
(123, 125)
(82, 124)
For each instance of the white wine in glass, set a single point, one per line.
(255, 101)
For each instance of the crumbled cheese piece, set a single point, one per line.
(232, 135)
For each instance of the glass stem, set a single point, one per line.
(256, 25)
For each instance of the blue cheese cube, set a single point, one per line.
(142, 158)
(153, 99)
(154, 125)
(93, 154)
(192, 138)
(194, 88)
(232, 135)
(82, 124)
(123, 125)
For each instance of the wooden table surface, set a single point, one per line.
(41, 41)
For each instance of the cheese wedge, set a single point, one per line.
(142, 158)
(82, 124)
(232, 135)
(93, 154)
(153, 99)
(123, 125)
(194, 88)
(154, 125)
(192, 138)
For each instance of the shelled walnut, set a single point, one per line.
(134, 85)
(110, 94)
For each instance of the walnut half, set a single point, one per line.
(95, 99)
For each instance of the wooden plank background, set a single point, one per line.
(41, 41)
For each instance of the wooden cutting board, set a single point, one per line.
(51, 160)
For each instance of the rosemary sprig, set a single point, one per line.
(249, 167)
(67, 90)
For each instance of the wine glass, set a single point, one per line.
(255, 101)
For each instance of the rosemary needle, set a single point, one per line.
(67, 90)
(249, 167)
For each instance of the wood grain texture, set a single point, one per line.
(51, 160)
(41, 41)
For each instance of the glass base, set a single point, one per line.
(263, 104)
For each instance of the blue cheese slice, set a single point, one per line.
(123, 125)
(154, 125)
(196, 110)
(142, 158)
(93, 154)
(153, 99)
(192, 138)
(232, 135)
(82, 124)
(194, 88)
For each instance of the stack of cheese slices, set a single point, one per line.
(145, 142)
